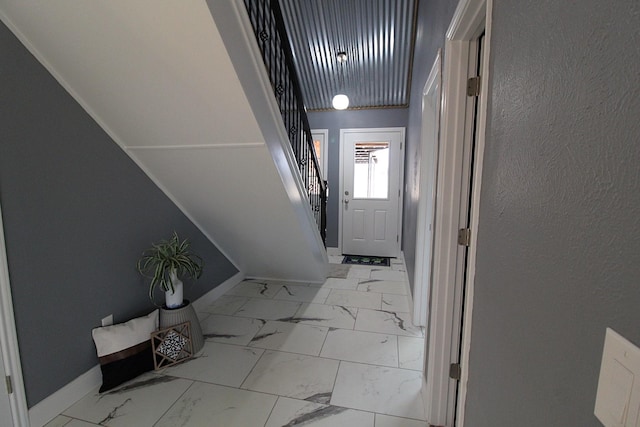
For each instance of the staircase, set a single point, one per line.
(181, 88)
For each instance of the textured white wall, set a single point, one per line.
(559, 237)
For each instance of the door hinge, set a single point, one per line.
(9, 384)
(464, 237)
(473, 86)
(455, 371)
(397, 238)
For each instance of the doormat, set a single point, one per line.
(367, 260)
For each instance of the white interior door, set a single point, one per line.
(371, 164)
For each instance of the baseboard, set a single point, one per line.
(53, 405)
(218, 291)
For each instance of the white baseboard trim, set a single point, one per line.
(218, 291)
(53, 405)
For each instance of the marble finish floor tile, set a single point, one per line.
(383, 286)
(389, 274)
(339, 270)
(217, 363)
(293, 375)
(389, 421)
(349, 298)
(226, 304)
(230, 329)
(363, 347)
(268, 309)
(80, 423)
(411, 353)
(332, 316)
(337, 283)
(359, 272)
(302, 294)
(386, 322)
(213, 405)
(389, 391)
(255, 289)
(140, 402)
(395, 302)
(62, 421)
(291, 337)
(58, 421)
(336, 259)
(293, 412)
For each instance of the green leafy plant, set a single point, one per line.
(161, 258)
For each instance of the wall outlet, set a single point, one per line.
(108, 321)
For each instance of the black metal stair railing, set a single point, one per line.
(268, 25)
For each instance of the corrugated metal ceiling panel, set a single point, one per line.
(378, 37)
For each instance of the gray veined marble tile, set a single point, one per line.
(336, 259)
(219, 364)
(386, 322)
(268, 309)
(80, 423)
(292, 412)
(338, 270)
(388, 274)
(395, 302)
(383, 286)
(398, 267)
(58, 421)
(411, 353)
(337, 283)
(332, 316)
(389, 421)
(140, 402)
(226, 304)
(212, 405)
(350, 298)
(230, 329)
(291, 337)
(359, 272)
(363, 347)
(385, 390)
(293, 375)
(302, 294)
(255, 289)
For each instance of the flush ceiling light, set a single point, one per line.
(341, 101)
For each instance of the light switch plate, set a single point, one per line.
(618, 397)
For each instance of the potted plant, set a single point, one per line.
(164, 263)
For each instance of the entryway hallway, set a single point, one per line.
(344, 353)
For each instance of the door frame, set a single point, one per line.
(426, 208)
(444, 344)
(324, 151)
(9, 341)
(343, 133)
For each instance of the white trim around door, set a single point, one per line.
(444, 399)
(9, 342)
(429, 148)
(395, 138)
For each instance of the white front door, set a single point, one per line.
(371, 164)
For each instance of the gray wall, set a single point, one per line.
(433, 20)
(77, 213)
(559, 235)
(334, 121)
